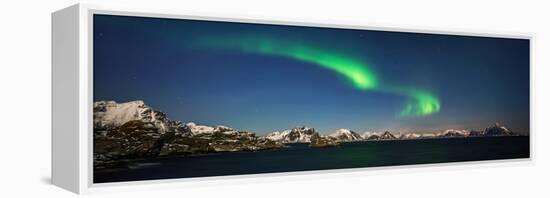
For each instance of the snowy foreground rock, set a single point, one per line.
(133, 130)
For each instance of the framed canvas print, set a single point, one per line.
(144, 96)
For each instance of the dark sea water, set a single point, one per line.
(299, 157)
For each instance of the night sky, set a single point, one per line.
(264, 78)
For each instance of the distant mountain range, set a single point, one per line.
(133, 130)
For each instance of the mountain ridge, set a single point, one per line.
(134, 130)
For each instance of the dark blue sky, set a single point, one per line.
(479, 81)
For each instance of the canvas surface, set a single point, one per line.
(177, 98)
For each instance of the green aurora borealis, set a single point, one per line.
(361, 75)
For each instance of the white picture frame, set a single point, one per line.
(72, 99)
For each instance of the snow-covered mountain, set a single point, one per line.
(295, 135)
(198, 129)
(346, 135)
(387, 136)
(110, 114)
(133, 130)
(454, 133)
(428, 135)
(379, 136)
(203, 129)
(410, 136)
(371, 136)
(497, 130)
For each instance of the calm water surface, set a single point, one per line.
(299, 157)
